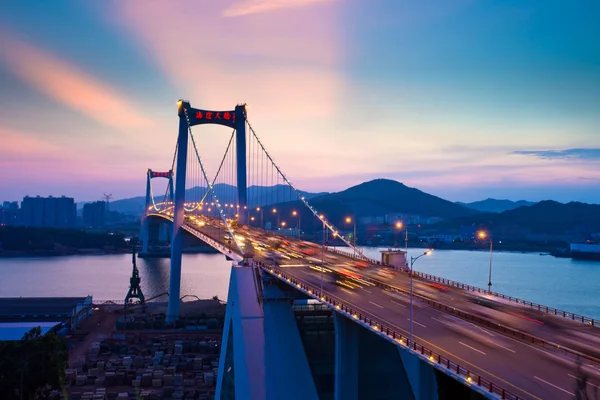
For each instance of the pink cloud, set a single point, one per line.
(67, 84)
(281, 68)
(246, 7)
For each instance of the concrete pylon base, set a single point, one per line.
(262, 356)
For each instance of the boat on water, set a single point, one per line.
(585, 251)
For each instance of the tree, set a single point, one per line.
(581, 385)
(32, 367)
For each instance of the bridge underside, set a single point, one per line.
(156, 234)
(277, 346)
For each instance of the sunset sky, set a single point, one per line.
(463, 99)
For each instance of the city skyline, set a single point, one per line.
(462, 100)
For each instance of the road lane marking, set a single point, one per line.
(375, 304)
(368, 291)
(505, 348)
(473, 348)
(294, 265)
(591, 384)
(417, 323)
(399, 304)
(554, 386)
(483, 330)
(440, 321)
(346, 290)
(434, 346)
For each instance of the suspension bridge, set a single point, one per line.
(310, 321)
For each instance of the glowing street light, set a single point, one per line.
(297, 214)
(275, 212)
(261, 216)
(348, 221)
(412, 261)
(483, 235)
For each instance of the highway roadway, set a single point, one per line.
(529, 371)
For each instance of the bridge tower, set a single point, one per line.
(148, 234)
(189, 117)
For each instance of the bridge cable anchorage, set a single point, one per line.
(211, 187)
(199, 203)
(302, 199)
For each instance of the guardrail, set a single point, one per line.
(532, 305)
(352, 255)
(433, 357)
(515, 333)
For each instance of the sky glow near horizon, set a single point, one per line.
(462, 99)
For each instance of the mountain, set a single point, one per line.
(257, 196)
(546, 217)
(495, 205)
(383, 196)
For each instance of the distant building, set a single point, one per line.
(94, 214)
(371, 220)
(10, 214)
(57, 212)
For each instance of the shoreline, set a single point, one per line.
(53, 253)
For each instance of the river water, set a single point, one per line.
(557, 282)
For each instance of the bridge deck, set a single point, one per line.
(528, 370)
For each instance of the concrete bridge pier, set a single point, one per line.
(150, 233)
(368, 366)
(262, 354)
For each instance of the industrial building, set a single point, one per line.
(19, 314)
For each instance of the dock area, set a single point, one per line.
(131, 354)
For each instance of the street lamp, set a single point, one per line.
(399, 226)
(275, 212)
(261, 217)
(412, 261)
(350, 220)
(483, 235)
(296, 213)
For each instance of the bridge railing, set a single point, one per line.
(530, 304)
(490, 324)
(352, 255)
(431, 356)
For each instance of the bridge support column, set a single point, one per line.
(346, 358)
(240, 145)
(421, 376)
(291, 377)
(178, 219)
(242, 359)
(145, 235)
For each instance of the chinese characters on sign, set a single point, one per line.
(160, 174)
(217, 116)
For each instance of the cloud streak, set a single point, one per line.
(283, 70)
(567, 154)
(248, 7)
(67, 84)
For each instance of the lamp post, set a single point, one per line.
(412, 261)
(275, 212)
(349, 220)
(283, 224)
(296, 213)
(399, 226)
(483, 235)
(261, 217)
